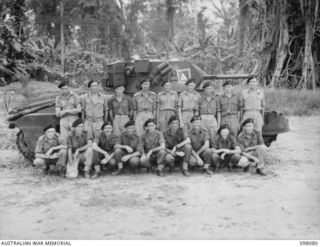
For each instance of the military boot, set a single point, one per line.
(186, 173)
(246, 169)
(208, 171)
(86, 174)
(95, 175)
(261, 172)
(160, 173)
(117, 172)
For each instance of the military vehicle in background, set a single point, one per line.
(32, 118)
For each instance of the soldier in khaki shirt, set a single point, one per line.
(177, 145)
(80, 151)
(67, 108)
(208, 109)
(120, 109)
(94, 109)
(188, 104)
(167, 103)
(201, 153)
(144, 108)
(128, 148)
(252, 104)
(153, 147)
(229, 108)
(252, 145)
(103, 147)
(226, 150)
(50, 150)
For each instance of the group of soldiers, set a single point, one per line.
(154, 131)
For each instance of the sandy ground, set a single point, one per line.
(283, 205)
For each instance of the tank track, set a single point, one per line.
(23, 147)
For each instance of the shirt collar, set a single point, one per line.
(246, 135)
(77, 136)
(225, 95)
(90, 95)
(46, 139)
(193, 93)
(171, 132)
(221, 139)
(142, 93)
(129, 136)
(193, 131)
(212, 97)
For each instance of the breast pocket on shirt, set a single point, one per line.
(89, 105)
(72, 102)
(224, 105)
(99, 106)
(234, 105)
(140, 102)
(172, 101)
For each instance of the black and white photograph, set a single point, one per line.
(159, 120)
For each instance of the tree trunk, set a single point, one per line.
(243, 23)
(282, 48)
(308, 80)
(62, 37)
(170, 16)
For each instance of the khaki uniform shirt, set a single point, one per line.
(77, 141)
(250, 140)
(229, 106)
(252, 100)
(106, 142)
(132, 141)
(152, 140)
(167, 101)
(68, 102)
(219, 143)
(173, 139)
(44, 144)
(93, 108)
(189, 101)
(208, 107)
(122, 107)
(198, 139)
(144, 101)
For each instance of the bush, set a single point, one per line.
(293, 102)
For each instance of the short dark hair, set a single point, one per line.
(105, 124)
(222, 127)
(92, 81)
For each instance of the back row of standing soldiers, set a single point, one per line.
(191, 128)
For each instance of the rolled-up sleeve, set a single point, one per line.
(180, 100)
(69, 141)
(214, 143)
(260, 138)
(105, 104)
(161, 138)
(39, 145)
(154, 103)
(135, 103)
(140, 146)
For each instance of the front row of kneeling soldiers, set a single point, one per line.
(154, 149)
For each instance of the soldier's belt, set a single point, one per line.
(69, 115)
(228, 114)
(252, 109)
(188, 110)
(91, 119)
(166, 109)
(145, 110)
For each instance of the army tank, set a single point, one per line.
(32, 118)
